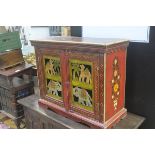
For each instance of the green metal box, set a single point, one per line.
(9, 41)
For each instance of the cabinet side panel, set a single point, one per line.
(115, 81)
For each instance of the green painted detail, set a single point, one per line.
(55, 78)
(9, 41)
(80, 62)
(82, 84)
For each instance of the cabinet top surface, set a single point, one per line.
(80, 40)
(15, 70)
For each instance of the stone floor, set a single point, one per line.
(8, 123)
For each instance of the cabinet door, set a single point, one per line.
(50, 75)
(84, 79)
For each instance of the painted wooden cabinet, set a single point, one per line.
(83, 78)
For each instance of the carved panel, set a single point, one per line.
(53, 77)
(82, 84)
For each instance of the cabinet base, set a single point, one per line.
(81, 119)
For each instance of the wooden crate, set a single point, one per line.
(9, 41)
(15, 83)
(11, 58)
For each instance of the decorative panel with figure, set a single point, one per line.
(82, 85)
(53, 77)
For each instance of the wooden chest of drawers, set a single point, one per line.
(83, 78)
(13, 86)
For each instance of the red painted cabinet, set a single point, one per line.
(83, 78)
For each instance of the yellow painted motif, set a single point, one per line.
(116, 87)
(115, 83)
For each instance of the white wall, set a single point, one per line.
(34, 32)
(139, 33)
(132, 33)
(37, 32)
